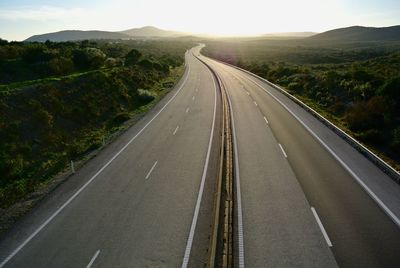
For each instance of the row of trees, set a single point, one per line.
(29, 61)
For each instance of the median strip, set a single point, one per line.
(221, 240)
(189, 243)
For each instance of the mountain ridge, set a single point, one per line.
(347, 34)
(360, 33)
(151, 31)
(77, 35)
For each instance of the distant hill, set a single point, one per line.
(74, 35)
(290, 34)
(360, 33)
(150, 31)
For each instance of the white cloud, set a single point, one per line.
(43, 13)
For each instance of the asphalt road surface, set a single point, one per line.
(148, 205)
(291, 184)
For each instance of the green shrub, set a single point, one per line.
(396, 139)
(145, 96)
(120, 118)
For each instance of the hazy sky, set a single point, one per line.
(20, 19)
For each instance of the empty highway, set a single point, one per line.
(147, 199)
(291, 183)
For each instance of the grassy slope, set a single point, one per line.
(48, 124)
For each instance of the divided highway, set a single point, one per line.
(147, 200)
(144, 201)
(292, 188)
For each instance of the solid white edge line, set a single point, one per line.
(203, 178)
(151, 170)
(93, 259)
(283, 151)
(26, 241)
(176, 129)
(266, 120)
(238, 192)
(321, 226)
(380, 203)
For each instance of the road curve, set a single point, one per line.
(135, 203)
(279, 160)
(147, 199)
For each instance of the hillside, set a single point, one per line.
(150, 31)
(74, 96)
(360, 33)
(290, 34)
(74, 35)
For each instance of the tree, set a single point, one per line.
(146, 64)
(366, 115)
(390, 91)
(3, 42)
(88, 58)
(37, 53)
(396, 139)
(132, 57)
(61, 66)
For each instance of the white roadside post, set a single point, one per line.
(72, 167)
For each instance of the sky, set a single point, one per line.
(20, 19)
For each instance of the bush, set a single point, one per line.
(145, 96)
(295, 87)
(37, 53)
(391, 93)
(146, 64)
(120, 118)
(61, 66)
(366, 115)
(132, 57)
(371, 135)
(396, 139)
(88, 58)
